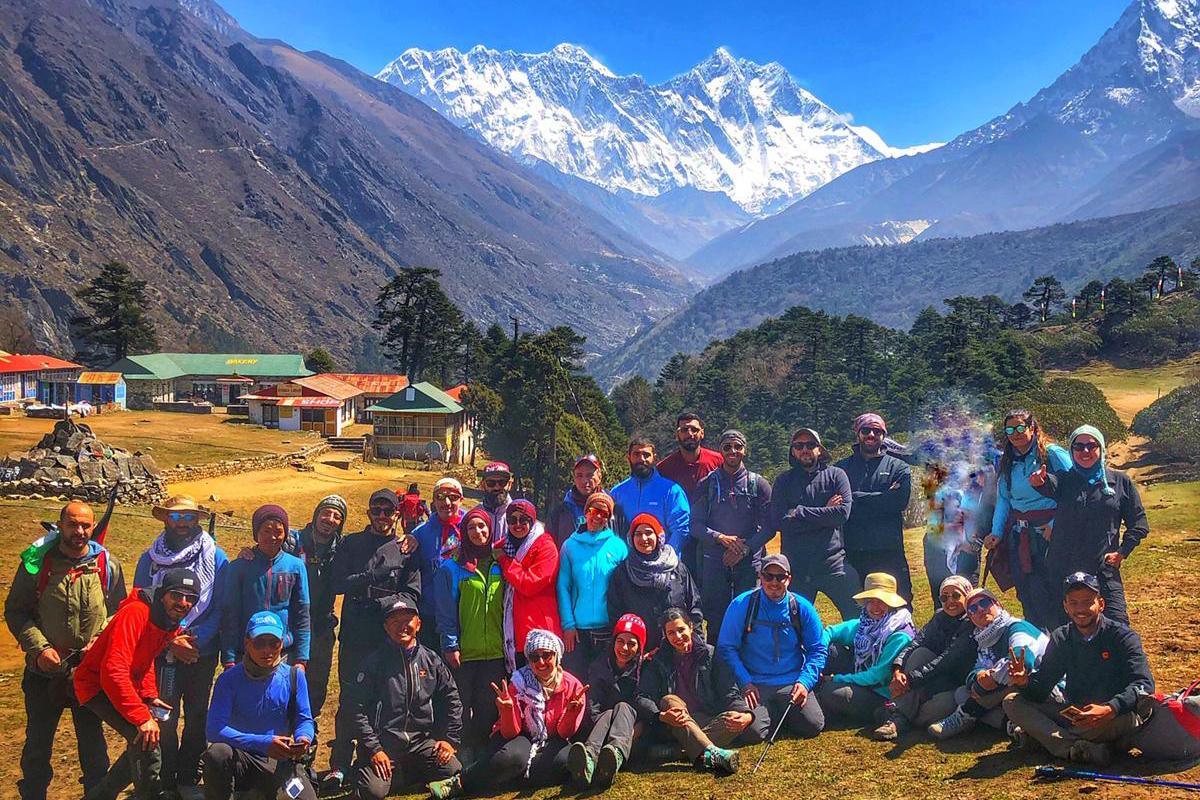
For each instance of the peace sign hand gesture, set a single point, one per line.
(576, 702)
(1018, 671)
(504, 698)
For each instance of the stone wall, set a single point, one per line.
(219, 469)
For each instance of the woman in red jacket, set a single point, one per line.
(540, 711)
(528, 561)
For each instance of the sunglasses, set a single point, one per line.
(804, 445)
(449, 496)
(540, 656)
(1009, 430)
(381, 511)
(1085, 447)
(945, 596)
(774, 577)
(982, 604)
(496, 483)
(871, 432)
(732, 448)
(519, 519)
(183, 516)
(183, 597)
(598, 513)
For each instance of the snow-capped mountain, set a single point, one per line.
(727, 125)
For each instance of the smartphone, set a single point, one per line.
(1071, 713)
(160, 714)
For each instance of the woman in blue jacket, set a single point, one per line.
(587, 560)
(1024, 519)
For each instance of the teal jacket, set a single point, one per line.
(470, 610)
(584, 566)
(878, 676)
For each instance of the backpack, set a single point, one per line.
(714, 487)
(1171, 731)
(752, 614)
(102, 567)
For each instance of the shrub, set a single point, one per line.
(1065, 348)
(1063, 404)
(1172, 422)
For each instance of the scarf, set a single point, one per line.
(531, 698)
(451, 539)
(987, 636)
(1095, 474)
(199, 555)
(519, 551)
(257, 673)
(872, 634)
(652, 571)
(470, 555)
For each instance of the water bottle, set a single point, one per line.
(167, 685)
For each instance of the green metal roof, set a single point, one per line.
(426, 399)
(165, 366)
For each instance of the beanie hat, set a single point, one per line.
(542, 639)
(632, 623)
(600, 500)
(334, 501)
(264, 513)
(646, 519)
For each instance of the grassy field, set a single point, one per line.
(1162, 579)
(1131, 390)
(171, 438)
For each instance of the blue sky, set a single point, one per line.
(914, 71)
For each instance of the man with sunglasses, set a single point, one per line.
(187, 668)
(881, 485)
(587, 478)
(647, 491)
(376, 563)
(496, 485)
(687, 466)
(810, 506)
(731, 523)
(438, 538)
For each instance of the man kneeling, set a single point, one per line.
(259, 721)
(1105, 669)
(406, 714)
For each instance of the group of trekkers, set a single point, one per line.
(480, 649)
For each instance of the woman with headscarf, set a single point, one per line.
(529, 563)
(924, 675)
(470, 608)
(865, 649)
(997, 637)
(1093, 500)
(651, 579)
(585, 563)
(539, 712)
(1023, 521)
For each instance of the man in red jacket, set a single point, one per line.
(116, 681)
(687, 466)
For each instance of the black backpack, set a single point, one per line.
(752, 613)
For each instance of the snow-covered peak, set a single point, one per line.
(726, 125)
(875, 140)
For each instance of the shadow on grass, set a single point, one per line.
(994, 765)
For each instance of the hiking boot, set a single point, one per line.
(891, 729)
(1094, 753)
(446, 789)
(958, 722)
(580, 764)
(331, 783)
(719, 760)
(1020, 739)
(607, 765)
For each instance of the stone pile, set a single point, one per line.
(71, 462)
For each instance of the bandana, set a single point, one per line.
(654, 570)
(872, 634)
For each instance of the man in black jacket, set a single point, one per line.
(1105, 669)
(373, 565)
(811, 504)
(881, 485)
(405, 710)
(317, 545)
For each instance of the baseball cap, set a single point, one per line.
(181, 581)
(1077, 579)
(778, 560)
(264, 622)
(497, 468)
(394, 605)
(590, 458)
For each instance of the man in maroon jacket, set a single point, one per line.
(688, 465)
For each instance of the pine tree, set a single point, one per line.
(1046, 293)
(419, 323)
(118, 325)
(319, 360)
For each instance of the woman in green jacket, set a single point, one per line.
(861, 651)
(470, 619)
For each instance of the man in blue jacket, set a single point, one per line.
(259, 722)
(772, 640)
(881, 485)
(185, 671)
(809, 506)
(271, 579)
(645, 490)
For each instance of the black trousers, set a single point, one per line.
(505, 761)
(721, 585)
(615, 727)
(474, 680)
(414, 764)
(227, 769)
(350, 656)
(45, 701)
(181, 753)
(141, 767)
(588, 647)
(320, 665)
(891, 561)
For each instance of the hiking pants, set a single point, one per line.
(318, 669)
(617, 727)
(505, 760)
(1046, 726)
(474, 680)
(141, 767)
(707, 730)
(227, 769)
(589, 646)
(350, 656)
(986, 705)
(45, 701)
(721, 584)
(415, 764)
(181, 754)
(839, 588)
(805, 721)
(891, 561)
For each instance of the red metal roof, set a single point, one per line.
(456, 392)
(372, 382)
(33, 363)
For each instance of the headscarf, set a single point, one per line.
(532, 692)
(469, 553)
(873, 633)
(958, 582)
(863, 420)
(511, 543)
(988, 635)
(1096, 473)
(654, 570)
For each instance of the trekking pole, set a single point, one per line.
(771, 741)
(1063, 773)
